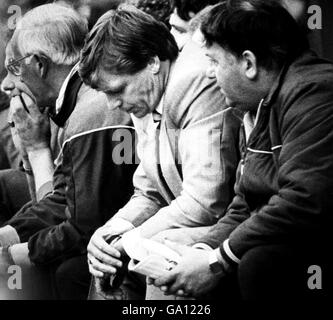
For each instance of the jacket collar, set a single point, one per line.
(69, 100)
(276, 86)
(281, 77)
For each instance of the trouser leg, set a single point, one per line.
(14, 193)
(281, 272)
(72, 279)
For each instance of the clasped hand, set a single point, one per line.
(31, 127)
(103, 258)
(191, 277)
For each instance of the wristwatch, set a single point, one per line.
(214, 264)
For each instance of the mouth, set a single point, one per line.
(130, 108)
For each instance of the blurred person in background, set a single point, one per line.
(14, 191)
(183, 12)
(159, 9)
(9, 156)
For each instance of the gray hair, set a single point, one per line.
(52, 30)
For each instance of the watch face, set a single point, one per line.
(214, 265)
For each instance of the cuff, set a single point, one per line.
(226, 257)
(229, 254)
(119, 225)
(8, 236)
(202, 246)
(20, 254)
(44, 190)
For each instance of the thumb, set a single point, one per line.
(179, 248)
(27, 99)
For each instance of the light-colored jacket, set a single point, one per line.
(188, 163)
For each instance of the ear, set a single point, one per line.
(250, 67)
(154, 65)
(41, 65)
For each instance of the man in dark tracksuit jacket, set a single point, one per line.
(88, 185)
(284, 195)
(93, 171)
(277, 228)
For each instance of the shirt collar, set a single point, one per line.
(62, 91)
(159, 108)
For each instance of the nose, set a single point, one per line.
(114, 102)
(172, 18)
(8, 85)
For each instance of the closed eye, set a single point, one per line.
(179, 30)
(213, 62)
(114, 92)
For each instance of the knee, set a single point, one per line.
(8, 236)
(66, 272)
(160, 237)
(265, 272)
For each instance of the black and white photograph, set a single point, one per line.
(167, 156)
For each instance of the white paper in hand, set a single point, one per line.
(148, 257)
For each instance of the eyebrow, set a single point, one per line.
(113, 89)
(180, 29)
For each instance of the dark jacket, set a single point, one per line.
(90, 182)
(285, 193)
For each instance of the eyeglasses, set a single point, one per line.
(14, 66)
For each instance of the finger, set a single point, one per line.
(103, 246)
(17, 109)
(170, 277)
(179, 248)
(15, 103)
(113, 295)
(101, 267)
(10, 115)
(30, 105)
(21, 119)
(164, 288)
(182, 293)
(150, 281)
(95, 273)
(105, 258)
(174, 288)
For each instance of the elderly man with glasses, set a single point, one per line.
(50, 106)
